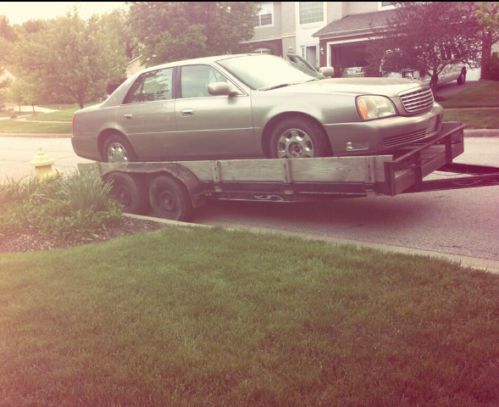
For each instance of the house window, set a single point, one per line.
(311, 12)
(265, 15)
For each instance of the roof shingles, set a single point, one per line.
(355, 23)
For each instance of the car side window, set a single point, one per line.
(155, 85)
(195, 79)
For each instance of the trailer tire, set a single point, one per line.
(129, 190)
(298, 137)
(169, 199)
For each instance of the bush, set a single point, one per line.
(66, 207)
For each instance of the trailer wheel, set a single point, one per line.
(168, 198)
(129, 191)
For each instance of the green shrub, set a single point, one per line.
(65, 207)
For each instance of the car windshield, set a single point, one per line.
(264, 72)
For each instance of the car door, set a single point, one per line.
(147, 114)
(211, 126)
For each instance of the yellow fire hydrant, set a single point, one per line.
(43, 165)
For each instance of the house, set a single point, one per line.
(325, 33)
(305, 28)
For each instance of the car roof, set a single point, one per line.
(202, 60)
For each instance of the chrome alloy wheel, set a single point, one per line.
(294, 143)
(116, 152)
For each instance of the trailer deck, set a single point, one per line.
(174, 188)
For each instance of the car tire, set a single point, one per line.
(129, 191)
(298, 138)
(169, 199)
(118, 146)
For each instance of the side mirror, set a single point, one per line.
(221, 88)
(327, 71)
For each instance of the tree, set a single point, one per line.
(171, 31)
(432, 35)
(488, 16)
(25, 92)
(70, 58)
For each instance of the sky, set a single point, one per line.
(19, 12)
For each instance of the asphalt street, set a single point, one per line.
(464, 222)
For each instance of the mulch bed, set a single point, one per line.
(32, 241)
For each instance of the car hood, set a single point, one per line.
(358, 86)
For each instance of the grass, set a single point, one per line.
(17, 126)
(67, 106)
(187, 317)
(59, 115)
(479, 94)
(64, 207)
(474, 119)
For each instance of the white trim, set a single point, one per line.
(329, 43)
(268, 39)
(349, 32)
(361, 39)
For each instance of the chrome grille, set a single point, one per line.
(417, 101)
(404, 138)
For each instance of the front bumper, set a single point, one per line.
(383, 135)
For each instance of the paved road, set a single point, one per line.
(462, 222)
(16, 153)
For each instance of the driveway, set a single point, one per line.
(464, 222)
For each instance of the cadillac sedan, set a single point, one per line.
(249, 106)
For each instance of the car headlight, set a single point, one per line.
(374, 107)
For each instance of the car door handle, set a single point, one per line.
(187, 112)
(128, 115)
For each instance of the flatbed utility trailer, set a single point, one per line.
(172, 189)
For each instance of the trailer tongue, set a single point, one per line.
(174, 189)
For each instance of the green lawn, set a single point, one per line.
(59, 115)
(17, 126)
(479, 94)
(64, 106)
(474, 119)
(184, 317)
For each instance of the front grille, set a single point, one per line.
(417, 101)
(404, 138)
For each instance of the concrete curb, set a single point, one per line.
(490, 266)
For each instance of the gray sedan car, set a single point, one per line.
(248, 106)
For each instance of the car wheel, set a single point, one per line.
(168, 199)
(129, 191)
(298, 138)
(117, 149)
(461, 79)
